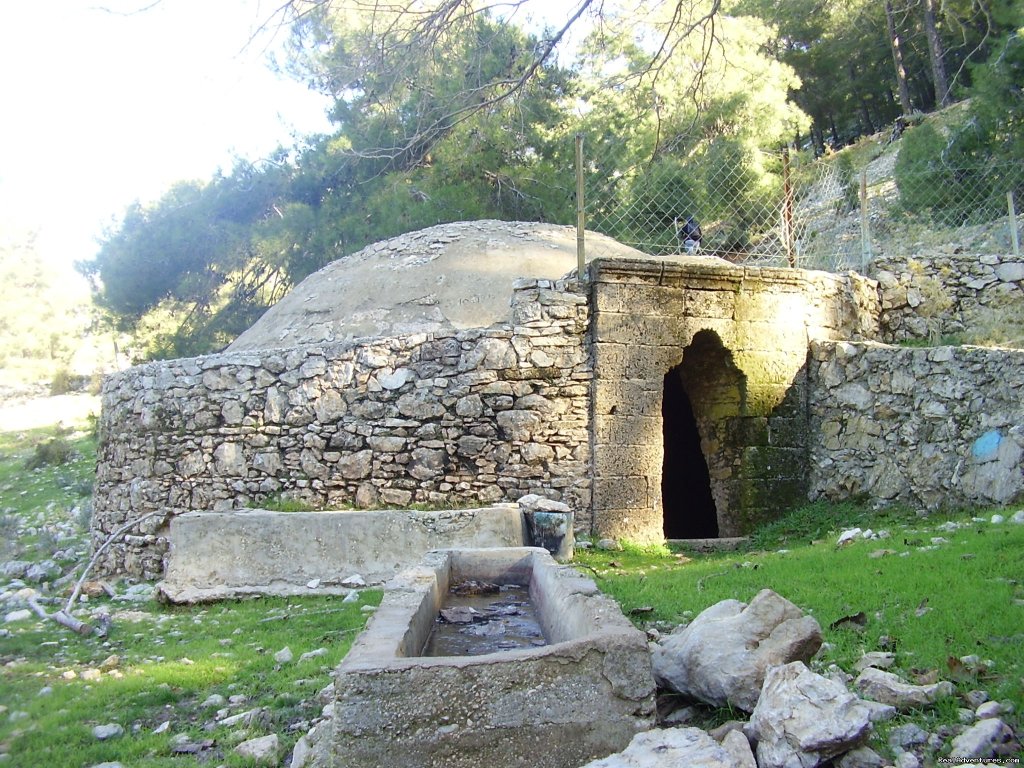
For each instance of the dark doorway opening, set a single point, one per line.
(688, 508)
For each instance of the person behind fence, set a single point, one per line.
(688, 234)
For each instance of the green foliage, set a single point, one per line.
(283, 503)
(963, 177)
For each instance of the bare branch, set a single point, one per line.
(96, 556)
(135, 12)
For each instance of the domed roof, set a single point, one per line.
(448, 277)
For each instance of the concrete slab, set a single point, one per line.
(216, 555)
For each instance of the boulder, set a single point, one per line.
(674, 747)
(721, 657)
(803, 719)
(887, 688)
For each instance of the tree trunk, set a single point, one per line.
(897, 59)
(935, 53)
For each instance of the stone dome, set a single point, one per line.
(443, 278)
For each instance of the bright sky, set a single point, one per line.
(104, 102)
(100, 106)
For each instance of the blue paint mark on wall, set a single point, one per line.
(986, 446)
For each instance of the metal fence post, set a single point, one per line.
(580, 245)
(1012, 211)
(865, 228)
(787, 210)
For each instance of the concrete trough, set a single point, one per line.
(216, 555)
(581, 696)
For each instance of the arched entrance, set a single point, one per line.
(687, 503)
(702, 398)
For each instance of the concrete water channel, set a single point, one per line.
(583, 694)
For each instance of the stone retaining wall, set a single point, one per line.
(937, 427)
(950, 294)
(464, 419)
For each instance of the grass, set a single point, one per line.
(931, 595)
(46, 477)
(168, 662)
(931, 602)
(164, 662)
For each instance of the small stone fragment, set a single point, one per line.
(109, 731)
(262, 750)
(214, 700)
(314, 654)
(283, 656)
(862, 757)
(989, 709)
(887, 688)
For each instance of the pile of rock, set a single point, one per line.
(754, 657)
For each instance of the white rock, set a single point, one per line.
(244, 718)
(109, 731)
(313, 583)
(803, 719)
(263, 750)
(19, 615)
(163, 727)
(353, 581)
(862, 757)
(1018, 517)
(989, 709)
(997, 519)
(907, 760)
(214, 700)
(351, 597)
(879, 712)
(887, 688)
(675, 747)
(283, 656)
(847, 536)
(300, 753)
(877, 659)
(313, 654)
(989, 738)
(721, 657)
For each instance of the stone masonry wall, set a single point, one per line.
(463, 419)
(739, 338)
(935, 427)
(946, 294)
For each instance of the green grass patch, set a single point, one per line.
(169, 661)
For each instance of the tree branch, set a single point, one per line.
(64, 616)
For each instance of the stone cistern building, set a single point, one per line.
(676, 397)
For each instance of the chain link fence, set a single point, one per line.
(776, 209)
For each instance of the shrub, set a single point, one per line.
(54, 451)
(62, 382)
